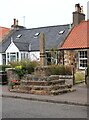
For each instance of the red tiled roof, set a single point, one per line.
(78, 37)
(3, 31)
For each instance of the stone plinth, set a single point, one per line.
(42, 71)
(46, 85)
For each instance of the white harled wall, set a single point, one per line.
(0, 59)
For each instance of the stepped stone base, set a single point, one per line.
(48, 85)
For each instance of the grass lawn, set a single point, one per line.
(79, 77)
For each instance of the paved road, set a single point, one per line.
(18, 108)
(79, 96)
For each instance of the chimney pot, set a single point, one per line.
(14, 21)
(81, 9)
(17, 22)
(77, 7)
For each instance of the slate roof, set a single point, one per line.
(54, 37)
(78, 37)
(22, 46)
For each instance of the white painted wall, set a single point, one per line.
(0, 59)
(32, 55)
(26, 56)
(35, 56)
(12, 48)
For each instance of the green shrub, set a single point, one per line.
(3, 67)
(29, 65)
(20, 71)
(88, 70)
(60, 70)
(23, 67)
(68, 70)
(14, 64)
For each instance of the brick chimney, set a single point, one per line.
(15, 25)
(42, 49)
(14, 22)
(78, 15)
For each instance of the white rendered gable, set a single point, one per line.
(12, 48)
(0, 59)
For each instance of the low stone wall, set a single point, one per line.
(40, 75)
(11, 75)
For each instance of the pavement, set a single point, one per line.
(78, 97)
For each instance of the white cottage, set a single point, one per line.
(22, 43)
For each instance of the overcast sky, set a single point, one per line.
(38, 13)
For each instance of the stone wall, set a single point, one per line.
(11, 75)
(69, 57)
(68, 79)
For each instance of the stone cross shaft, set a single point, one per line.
(42, 49)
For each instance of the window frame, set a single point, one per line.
(9, 56)
(82, 57)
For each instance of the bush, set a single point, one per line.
(20, 71)
(60, 70)
(14, 64)
(29, 65)
(3, 67)
(88, 70)
(23, 67)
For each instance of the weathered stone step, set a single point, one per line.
(56, 92)
(37, 87)
(43, 83)
(65, 76)
(49, 88)
(56, 87)
(43, 92)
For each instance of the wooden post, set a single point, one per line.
(73, 72)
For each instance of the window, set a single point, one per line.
(18, 36)
(48, 58)
(61, 32)
(24, 55)
(12, 57)
(36, 35)
(82, 59)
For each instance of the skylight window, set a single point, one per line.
(18, 36)
(61, 32)
(36, 34)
